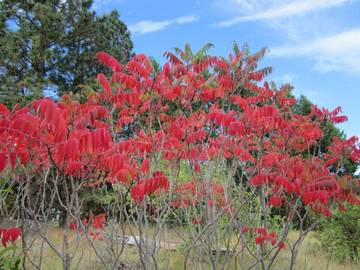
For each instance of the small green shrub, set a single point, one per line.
(340, 235)
(8, 261)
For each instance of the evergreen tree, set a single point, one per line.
(50, 46)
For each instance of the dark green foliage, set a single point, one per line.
(302, 106)
(340, 234)
(51, 45)
(156, 66)
(95, 200)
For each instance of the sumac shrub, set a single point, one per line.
(205, 140)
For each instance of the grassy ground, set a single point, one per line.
(310, 256)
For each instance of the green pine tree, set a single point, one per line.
(51, 45)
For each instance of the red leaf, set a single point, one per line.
(260, 240)
(2, 161)
(282, 245)
(145, 167)
(9, 234)
(109, 61)
(4, 110)
(240, 101)
(275, 201)
(259, 179)
(105, 84)
(99, 221)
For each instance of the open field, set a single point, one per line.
(310, 255)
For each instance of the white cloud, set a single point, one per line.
(340, 52)
(277, 10)
(143, 27)
(285, 78)
(254, 5)
(148, 26)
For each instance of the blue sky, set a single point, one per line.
(314, 44)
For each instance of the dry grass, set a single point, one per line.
(310, 256)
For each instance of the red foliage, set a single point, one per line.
(98, 222)
(9, 235)
(339, 149)
(260, 239)
(260, 179)
(263, 236)
(109, 61)
(182, 115)
(105, 84)
(94, 224)
(148, 186)
(275, 201)
(321, 196)
(73, 225)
